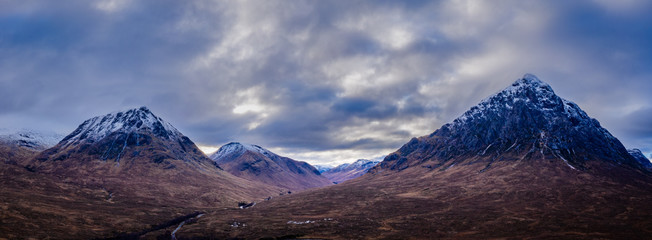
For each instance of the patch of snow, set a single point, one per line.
(122, 150)
(239, 148)
(562, 158)
(30, 138)
(237, 224)
(506, 98)
(308, 221)
(302, 222)
(510, 147)
(360, 164)
(640, 157)
(133, 120)
(322, 168)
(450, 166)
(485, 150)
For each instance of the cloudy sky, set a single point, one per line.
(320, 81)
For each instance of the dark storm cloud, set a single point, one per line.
(361, 106)
(325, 80)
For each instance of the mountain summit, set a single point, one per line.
(135, 155)
(19, 146)
(136, 135)
(522, 164)
(127, 122)
(255, 163)
(525, 120)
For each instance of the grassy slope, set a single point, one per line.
(514, 199)
(83, 197)
(287, 173)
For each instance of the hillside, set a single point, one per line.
(524, 163)
(349, 171)
(255, 163)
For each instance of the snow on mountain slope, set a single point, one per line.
(19, 146)
(138, 159)
(640, 157)
(322, 168)
(526, 119)
(36, 140)
(348, 171)
(239, 148)
(255, 163)
(97, 128)
(136, 136)
(529, 89)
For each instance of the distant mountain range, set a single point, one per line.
(322, 168)
(255, 163)
(113, 168)
(19, 145)
(348, 171)
(131, 140)
(522, 164)
(37, 140)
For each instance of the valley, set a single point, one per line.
(522, 164)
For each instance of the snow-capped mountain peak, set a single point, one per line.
(360, 162)
(640, 157)
(133, 120)
(349, 171)
(38, 140)
(528, 91)
(526, 119)
(322, 168)
(239, 148)
(256, 163)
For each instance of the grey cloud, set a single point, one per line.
(640, 122)
(358, 106)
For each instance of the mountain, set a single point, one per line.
(526, 120)
(32, 139)
(255, 163)
(522, 164)
(118, 174)
(349, 171)
(124, 136)
(133, 144)
(640, 158)
(322, 168)
(17, 146)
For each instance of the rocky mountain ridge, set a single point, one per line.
(526, 119)
(348, 171)
(640, 158)
(32, 139)
(523, 164)
(17, 146)
(255, 163)
(135, 135)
